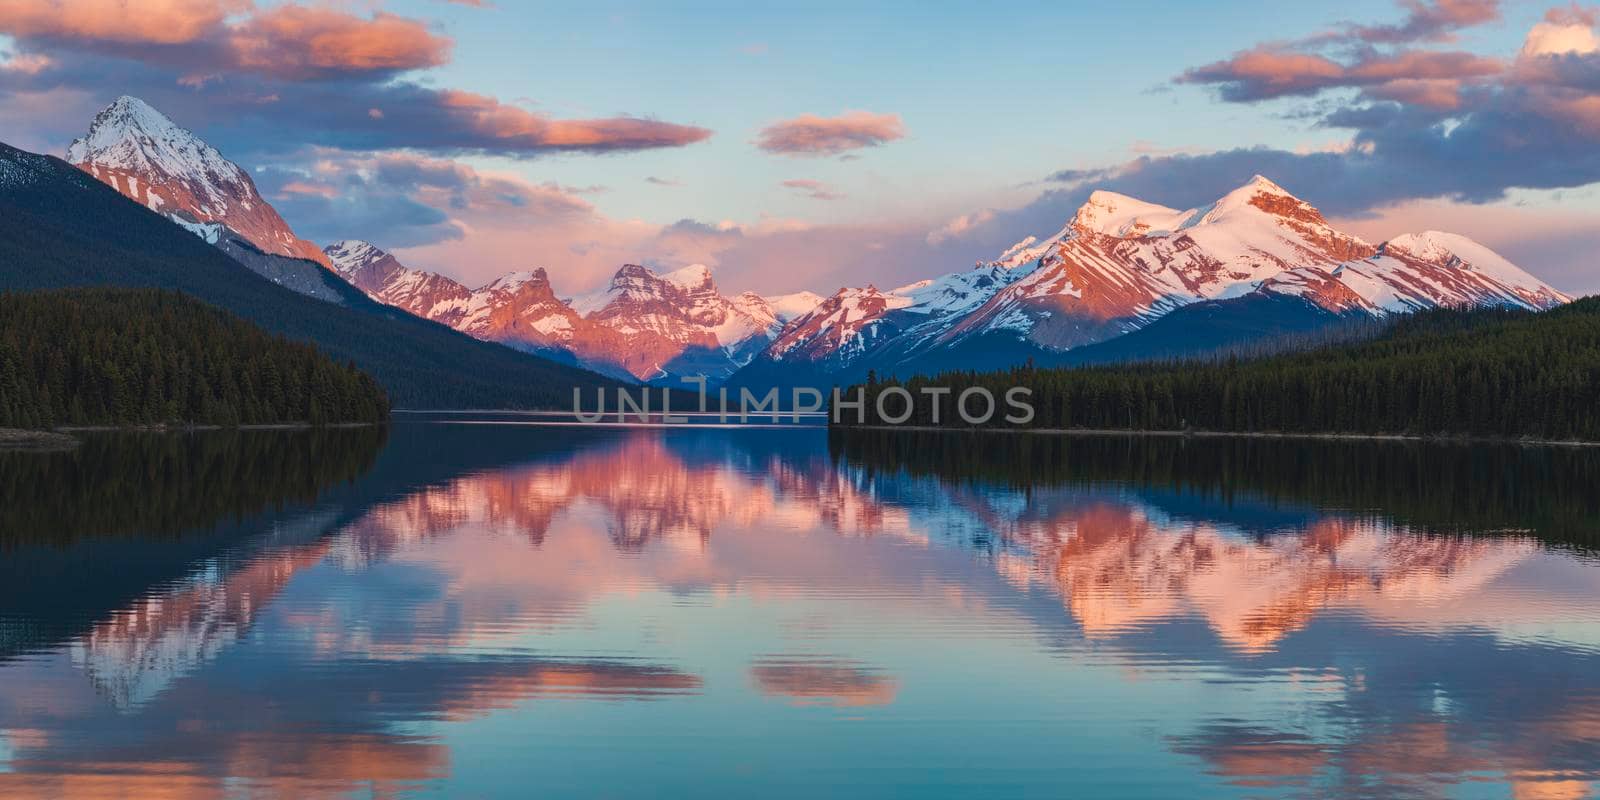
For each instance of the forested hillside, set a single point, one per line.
(1442, 372)
(145, 356)
(60, 228)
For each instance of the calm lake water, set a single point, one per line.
(516, 610)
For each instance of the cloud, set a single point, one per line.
(279, 75)
(811, 135)
(1424, 124)
(1437, 21)
(1265, 73)
(202, 37)
(407, 200)
(1561, 34)
(248, 115)
(303, 43)
(816, 190)
(309, 188)
(1562, 51)
(162, 22)
(960, 226)
(662, 181)
(493, 120)
(26, 63)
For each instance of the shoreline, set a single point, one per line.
(20, 439)
(1369, 437)
(61, 438)
(163, 428)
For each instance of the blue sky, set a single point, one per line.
(992, 98)
(985, 104)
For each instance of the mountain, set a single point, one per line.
(643, 325)
(382, 277)
(59, 227)
(1121, 264)
(138, 151)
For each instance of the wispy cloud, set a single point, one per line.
(816, 190)
(811, 135)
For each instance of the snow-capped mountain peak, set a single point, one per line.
(641, 325)
(786, 307)
(1454, 250)
(349, 255)
(512, 281)
(694, 276)
(1258, 196)
(143, 154)
(131, 135)
(1112, 214)
(1121, 263)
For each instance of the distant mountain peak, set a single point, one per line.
(1261, 194)
(142, 153)
(694, 276)
(131, 135)
(1114, 214)
(348, 255)
(515, 281)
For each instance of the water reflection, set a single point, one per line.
(489, 607)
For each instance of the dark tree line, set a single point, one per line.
(145, 356)
(1486, 372)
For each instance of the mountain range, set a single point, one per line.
(1123, 279)
(642, 325)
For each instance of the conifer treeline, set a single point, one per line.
(1487, 372)
(145, 356)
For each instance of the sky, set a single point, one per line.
(820, 145)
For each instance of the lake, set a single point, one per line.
(463, 606)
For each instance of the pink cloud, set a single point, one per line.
(26, 63)
(1422, 65)
(811, 135)
(308, 188)
(300, 42)
(816, 190)
(1437, 93)
(1429, 22)
(515, 126)
(149, 22)
(291, 42)
(1267, 72)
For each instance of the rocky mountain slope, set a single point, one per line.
(138, 151)
(643, 325)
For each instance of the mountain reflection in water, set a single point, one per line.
(485, 610)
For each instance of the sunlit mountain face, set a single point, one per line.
(537, 606)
